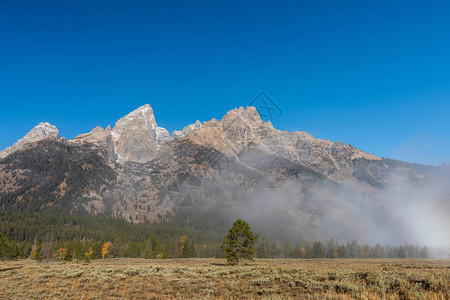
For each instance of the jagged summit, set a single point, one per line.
(137, 137)
(249, 115)
(99, 137)
(247, 111)
(143, 114)
(40, 132)
(186, 130)
(242, 131)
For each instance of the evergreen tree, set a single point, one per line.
(331, 251)
(3, 246)
(424, 252)
(274, 251)
(239, 243)
(300, 251)
(342, 251)
(287, 250)
(402, 252)
(263, 249)
(188, 250)
(318, 249)
(40, 254)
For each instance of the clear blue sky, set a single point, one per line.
(375, 74)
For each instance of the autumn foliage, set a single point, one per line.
(105, 249)
(61, 254)
(87, 255)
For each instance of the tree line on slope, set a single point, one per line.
(46, 236)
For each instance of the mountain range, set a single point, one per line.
(239, 166)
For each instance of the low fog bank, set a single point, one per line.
(401, 212)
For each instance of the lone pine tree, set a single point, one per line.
(239, 243)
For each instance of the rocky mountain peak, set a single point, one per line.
(137, 137)
(186, 130)
(97, 136)
(248, 114)
(242, 132)
(243, 122)
(239, 129)
(142, 117)
(42, 131)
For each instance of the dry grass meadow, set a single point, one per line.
(211, 278)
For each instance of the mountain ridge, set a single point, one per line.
(239, 166)
(159, 135)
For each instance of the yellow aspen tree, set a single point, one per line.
(363, 252)
(87, 255)
(335, 253)
(105, 249)
(302, 252)
(61, 254)
(181, 244)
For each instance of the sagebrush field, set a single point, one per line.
(211, 278)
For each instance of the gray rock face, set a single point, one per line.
(162, 136)
(242, 132)
(136, 137)
(41, 132)
(186, 130)
(99, 137)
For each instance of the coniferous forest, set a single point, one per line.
(52, 236)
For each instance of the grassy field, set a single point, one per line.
(211, 278)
